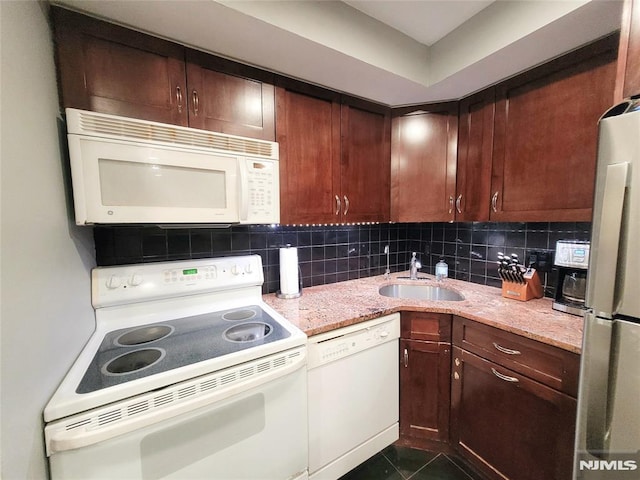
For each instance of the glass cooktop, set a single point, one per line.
(136, 352)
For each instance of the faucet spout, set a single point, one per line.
(414, 266)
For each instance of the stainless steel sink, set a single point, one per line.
(420, 292)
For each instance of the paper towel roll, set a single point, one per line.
(289, 271)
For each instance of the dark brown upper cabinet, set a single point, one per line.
(308, 132)
(240, 101)
(423, 163)
(110, 69)
(544, 149)
(628, 75)
(366, 162)
(334, 157)
(475, 150)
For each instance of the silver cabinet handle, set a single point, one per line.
(494, 202)
(450, 204)
(179, 98)
(346, 204)
(458, 203)
(406, 358)
(504, 377)
(196, 102)
(338, 204)
(508, 351)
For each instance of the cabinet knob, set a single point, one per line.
(456, 375)
(346, 204)
(406, 358)
(459, 204)
(457, 362)
(450, 204)
(338, 204)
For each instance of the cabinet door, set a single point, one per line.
(475, 147)
(628, 76)
(110, 69)
(508, 425)
(308, 131)
(366, 165)
(545, 136)
(425, 369)
(423, 165)
(226, 97)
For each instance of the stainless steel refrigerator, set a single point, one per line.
(608, 422)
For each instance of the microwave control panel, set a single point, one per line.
(264, 191)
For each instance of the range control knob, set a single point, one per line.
(135, 280)
(248, 268)
(235, 270)
(113, 282)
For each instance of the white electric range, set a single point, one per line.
(189, 374)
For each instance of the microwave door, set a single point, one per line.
(117, 182)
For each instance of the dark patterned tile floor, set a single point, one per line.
(401, 463)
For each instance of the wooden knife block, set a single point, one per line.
(532, 288)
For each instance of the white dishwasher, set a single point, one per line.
(353, 389)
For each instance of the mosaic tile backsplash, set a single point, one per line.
(329, 254)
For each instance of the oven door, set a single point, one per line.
(258, 433)
(128, 182)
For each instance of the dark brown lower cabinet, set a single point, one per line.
(425, 395)
(508, 425)
(425, 372)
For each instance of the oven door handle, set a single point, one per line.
(107, 422)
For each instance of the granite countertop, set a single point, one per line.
(327, 307)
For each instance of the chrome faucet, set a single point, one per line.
(414, 266)
(387, 272)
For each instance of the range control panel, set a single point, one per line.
(572, 254)
(337, 344)
(132, 283)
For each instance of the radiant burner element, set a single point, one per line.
(236, 315)
(144, 335)
(133, 361)
(248, 332)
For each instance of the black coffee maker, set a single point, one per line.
(572, 262)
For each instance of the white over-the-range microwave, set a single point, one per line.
(125, 171)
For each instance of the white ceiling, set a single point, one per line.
(424, 21)
(392, 52)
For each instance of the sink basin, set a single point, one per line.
(420, 292)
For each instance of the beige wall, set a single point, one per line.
(45, 261)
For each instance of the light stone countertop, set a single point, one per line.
(327, 307)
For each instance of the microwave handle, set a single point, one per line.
(244, 189)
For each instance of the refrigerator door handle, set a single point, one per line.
(606, 237)
(594, 386)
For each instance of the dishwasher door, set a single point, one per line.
(353, 387)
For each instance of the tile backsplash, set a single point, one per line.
(329, 254)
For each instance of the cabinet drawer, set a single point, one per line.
(555, 367)
(508, 425)
(433, 327)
